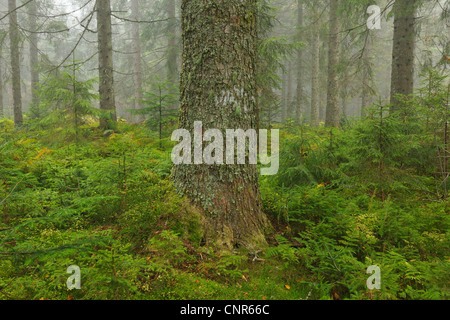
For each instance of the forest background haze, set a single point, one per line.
(92, 90)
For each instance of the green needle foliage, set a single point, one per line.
(160, 108)
(373, 191)
(66, 104)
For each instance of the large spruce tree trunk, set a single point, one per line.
(333, 112)
(218, 87)
(402, 78)
(106, 69)
(15, 63)
(137, 63)
(315, 81)
(34, 66)
(299, 108)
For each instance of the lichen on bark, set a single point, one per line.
(218, 88)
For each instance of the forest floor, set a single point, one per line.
(105, 202)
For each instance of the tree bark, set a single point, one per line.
(402, 78)
(34, 66)
(106, 68)
(299, 102)
(15, 63)
(137, 63)
(315, 82)
(289, 91)
(1, 86)
(284, 95)
(2, 38)
(366, 75)
(322, 107)
(333, 112)
(218, 87)
(172, 69)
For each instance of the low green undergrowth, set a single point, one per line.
(107, 205)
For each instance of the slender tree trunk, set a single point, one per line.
(289, 91)
(172, 49)
(402, 78)
(315, 82)
(446, 143)
(333, 112)
(284, 106)
(366, 76)
(172, 70)
(218, 87)
(15, 63)
(446, 156)
(299, 108)
(106, 69)
(322, 107)
(160, 117)
(2, 112)
(1, 86)
(34, 66)
(323, 80)
(344, 94)
(137, 63)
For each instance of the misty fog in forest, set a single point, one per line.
(116, 156)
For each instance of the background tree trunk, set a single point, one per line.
(299, 108)
(333, 112)
(15, 63)
(106, 69)
(284, 94)
(137, 63)
(323, 80)
(172, 69)
(2, 113)
(315, 82)
(402, 78)
(218, 87)
(366, 76)
(289, 94)
(2, 39)
(34, 65)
